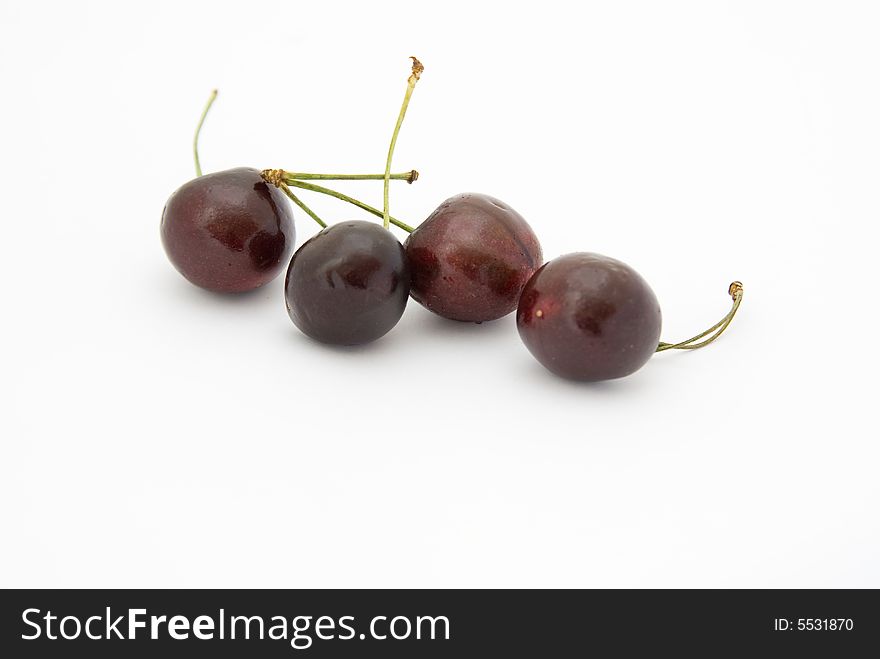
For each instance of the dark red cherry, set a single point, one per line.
(471, 258)
(229, 231)
(589, 317)
(348, 284)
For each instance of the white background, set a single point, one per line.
(157, 435)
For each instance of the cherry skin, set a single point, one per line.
(589, 317)
(348, 284)
(471, 258)
(229, 231)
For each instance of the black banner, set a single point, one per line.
(437, 623)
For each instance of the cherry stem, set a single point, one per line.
(199, 130)
(351, 200)
(280, 179)
(736, 293)
(417, 69)
(410, 177)
(302, 205)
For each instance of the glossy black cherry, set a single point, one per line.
(348, 284)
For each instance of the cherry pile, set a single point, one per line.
(583, 316)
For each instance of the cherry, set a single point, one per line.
(590, 317)
(471, 258)
(229, 231)
(348, 284)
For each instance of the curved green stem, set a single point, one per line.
(409, 177)
(300, 203)
(417, 69)
(736, 293)
(351, 200)
(199, 130)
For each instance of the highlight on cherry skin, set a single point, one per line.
(348, 285)
(471, 258)
(589, 317)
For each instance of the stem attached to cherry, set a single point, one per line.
(282, 179)
(417, 69)
(410, 177)
(283, 187)
(352, 200)
(199, 130)
(736, 293)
